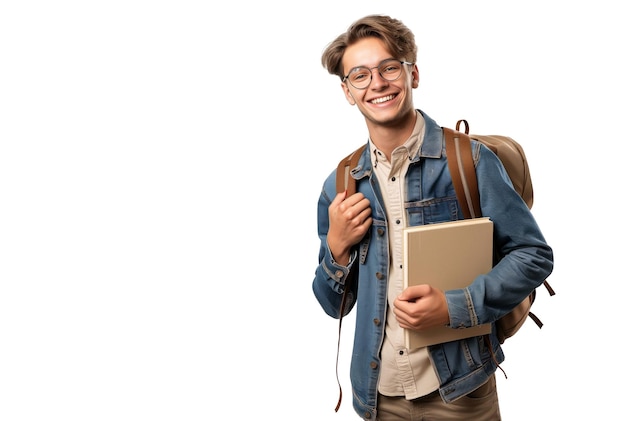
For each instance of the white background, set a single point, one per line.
(160, 164)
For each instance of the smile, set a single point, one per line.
(383, 99)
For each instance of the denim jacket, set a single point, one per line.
(526, 261)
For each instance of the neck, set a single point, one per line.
(389, 137)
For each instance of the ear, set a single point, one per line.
(415, 74)
(347, 93)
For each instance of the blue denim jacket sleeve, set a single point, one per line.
(525, 259)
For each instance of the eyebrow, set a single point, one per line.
(362, 65)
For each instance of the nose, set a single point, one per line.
(377, 79)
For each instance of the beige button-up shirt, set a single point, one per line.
(403, 372)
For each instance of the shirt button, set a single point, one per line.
(398, 221)
(339, 274)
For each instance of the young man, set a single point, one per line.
(402, 180)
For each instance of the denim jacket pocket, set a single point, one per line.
(433, 210)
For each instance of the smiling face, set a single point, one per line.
(382, 103)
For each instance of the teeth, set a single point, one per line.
(383, 99)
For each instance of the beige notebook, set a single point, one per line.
(448, 255)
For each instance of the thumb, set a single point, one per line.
(341, 196)
(412, 293)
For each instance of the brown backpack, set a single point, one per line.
(461, 165)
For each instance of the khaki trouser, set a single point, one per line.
(479, 405)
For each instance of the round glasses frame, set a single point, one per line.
(383, 68)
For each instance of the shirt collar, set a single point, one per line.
(410, 147)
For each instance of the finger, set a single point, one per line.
(355, 199)
(358, 211)
(340, 197)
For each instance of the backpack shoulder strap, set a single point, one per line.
(461, 165)
(343, 179)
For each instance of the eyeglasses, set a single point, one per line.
(361, 77)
